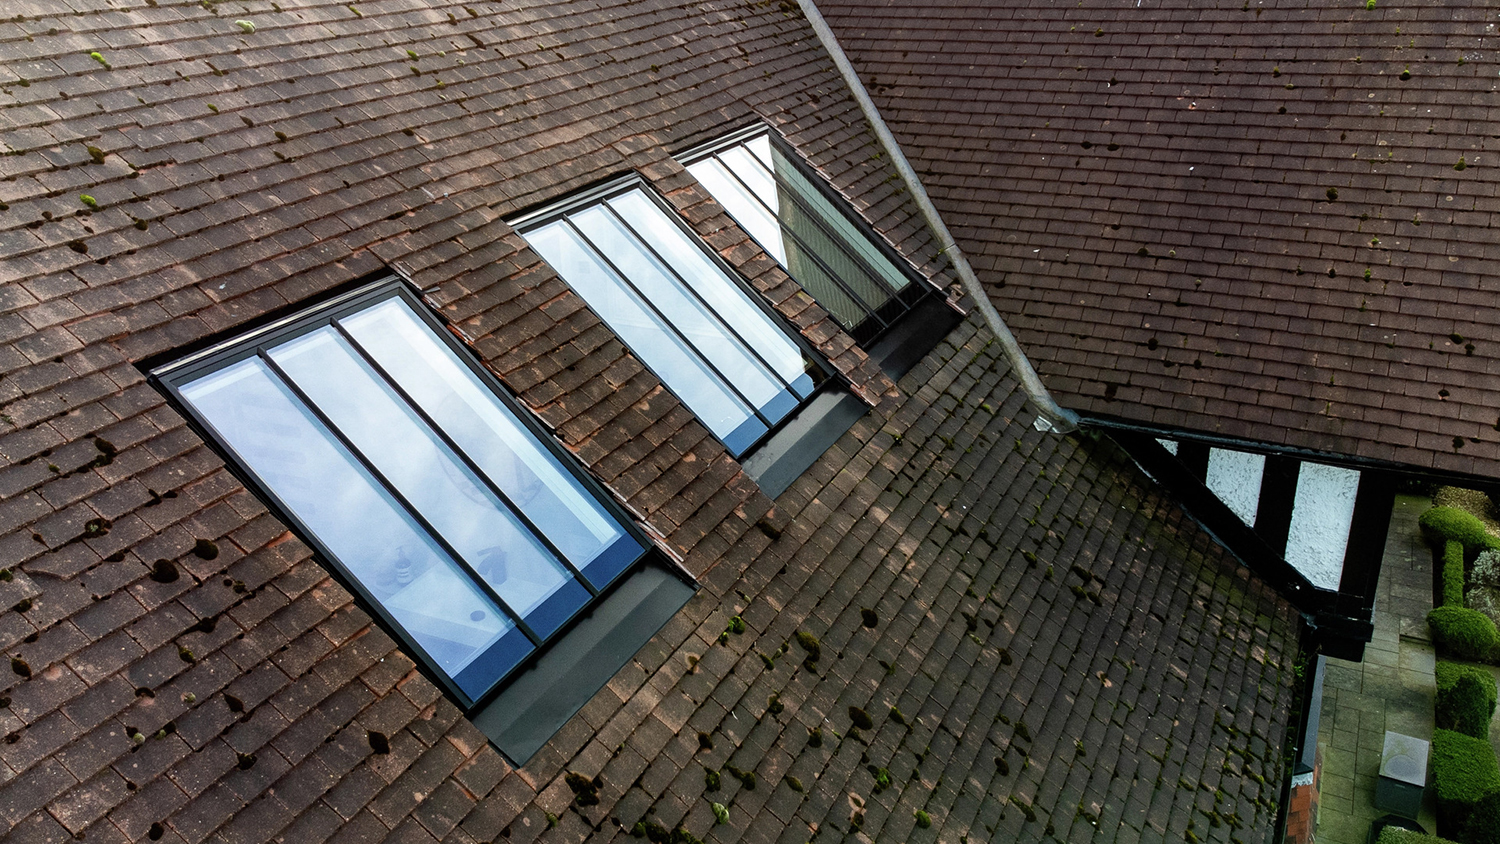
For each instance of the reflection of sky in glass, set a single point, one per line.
(752, 215)
(641, 330)
(683, 312)
(327, 490)
(792, 220)
(848, 234)
(726, 298)
(484, 429)
(422, 469)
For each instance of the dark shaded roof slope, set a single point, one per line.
(1033, 600)
(1270, 220)
(1014, 579)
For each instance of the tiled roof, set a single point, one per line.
(1267, 220)
(183, 670)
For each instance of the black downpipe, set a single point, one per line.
(1297, 736)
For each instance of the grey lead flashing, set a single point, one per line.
(1051, 416)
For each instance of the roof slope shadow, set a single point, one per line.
(1050, 648)
(1005, 634)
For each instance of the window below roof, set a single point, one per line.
(724, 354)
(432, 498)
(862, 283)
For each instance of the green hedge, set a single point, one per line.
(1465, 698)
(1444, 523)
(1397, 835)
(1463, 773)
(1453, 573)
(1462, 633)
(1484, 822)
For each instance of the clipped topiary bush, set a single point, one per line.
(1465, 699)
(1462, 633)
(1397, 835)
(1463, 773)
(1453, 574)
(1443, 523)
(1484, 822)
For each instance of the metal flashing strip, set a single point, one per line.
(537, 702)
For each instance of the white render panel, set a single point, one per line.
(1169, 445)
(1321, 513)
(1234, 476)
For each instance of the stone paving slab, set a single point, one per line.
(1392, 689)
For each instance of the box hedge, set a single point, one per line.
(1463, 774)
(1397, 835)
(1462, 633)
(1484, 822)
(1444, 523)
(1453, 573)
(1465, 699)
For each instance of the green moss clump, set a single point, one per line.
(585, 790)
(1463, 773)
(809, 643)
(1462, 633)
(1465, 699)
(712, 780)
(1441, 524)
(746, 778)
(860, 718)
(924, 820)
(1453, 573)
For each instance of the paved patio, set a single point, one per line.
(1392, 689)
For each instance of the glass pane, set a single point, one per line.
(485, 430)
(322, 485)
(687, 315)
(751, 212)
(726, 298)
(838, 223)
(753, 170)
(412, 458)
(653, 342)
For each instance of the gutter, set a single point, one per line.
(1050, 416)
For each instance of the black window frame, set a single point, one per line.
(240, 344)
(880, 321)
(830, 384)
